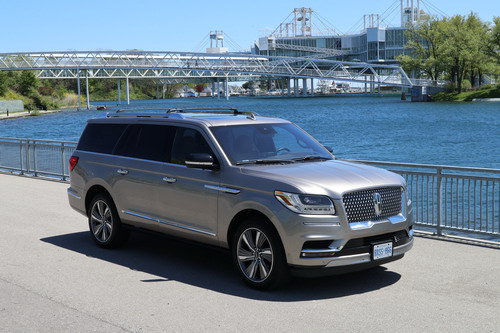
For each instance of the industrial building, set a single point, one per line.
(304, 34)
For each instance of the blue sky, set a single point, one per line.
(180, 25)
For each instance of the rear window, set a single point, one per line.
(101, 138)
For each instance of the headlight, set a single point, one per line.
(306, 204)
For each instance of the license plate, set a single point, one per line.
(381, 251)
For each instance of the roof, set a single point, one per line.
(207, 116)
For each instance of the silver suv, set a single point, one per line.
(259, 186)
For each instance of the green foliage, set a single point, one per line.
(466, 85)
(461, 49)
(3, 83)
(492, 92)
(28, 83)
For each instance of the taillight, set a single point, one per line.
(73, 160)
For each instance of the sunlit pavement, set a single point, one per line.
(54, 279)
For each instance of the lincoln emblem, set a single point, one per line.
(377, 201)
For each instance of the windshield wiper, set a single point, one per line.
(268, 161)
(311, 158)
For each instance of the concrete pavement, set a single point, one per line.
(54, 279)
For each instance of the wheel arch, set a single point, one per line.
(241, 217)
(92, 192)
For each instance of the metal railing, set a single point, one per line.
(36, 157)
(464, 200)
(460, 199)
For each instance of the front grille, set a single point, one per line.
(360, 206)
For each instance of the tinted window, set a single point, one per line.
(101, 138)
(188, 141)
(149, 142)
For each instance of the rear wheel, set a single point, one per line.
(104, 224)
(258, 255)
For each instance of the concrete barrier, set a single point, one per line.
(11, 106)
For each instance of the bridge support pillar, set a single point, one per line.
(87, 89)
(79, 90)
(312, 87)
(226, 89)
(295, 87)
(289, 81)
(128, 91)
(213, 89)
(304, 87)
(119, 93)
(218, 88)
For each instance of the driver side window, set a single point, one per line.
(188, 141)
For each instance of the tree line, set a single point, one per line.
(460, 49)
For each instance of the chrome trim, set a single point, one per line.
(73, 194)
(199, 163)
(169, 180)
(368, 224)
(172, 224)
(322, 224)
(222, 189)
(365, 257)
(122, 172)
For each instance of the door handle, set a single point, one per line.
(169, 179)
(122, 172)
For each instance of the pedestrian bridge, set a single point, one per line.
(180, 67)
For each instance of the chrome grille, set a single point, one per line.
(360, 206)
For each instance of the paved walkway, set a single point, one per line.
(54, 279)
(22, 114)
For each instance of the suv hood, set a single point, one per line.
(333, 178)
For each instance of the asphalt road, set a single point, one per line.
(54, 279)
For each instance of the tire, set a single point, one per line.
(258, 255)
(104, 223)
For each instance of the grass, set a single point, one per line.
(467, 96)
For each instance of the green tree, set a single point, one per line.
(3, 83)
(426, 43)
(464, 46)
(495, 39)
(28, 83)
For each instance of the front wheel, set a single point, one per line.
(258, 255)
(104, 224)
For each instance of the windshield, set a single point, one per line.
(268, 143)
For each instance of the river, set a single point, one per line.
(356, 127)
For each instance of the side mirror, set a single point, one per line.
(200, 161)
(330, 149)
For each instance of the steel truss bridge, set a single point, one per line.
(185, 67)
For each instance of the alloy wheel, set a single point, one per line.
(101, 221)
(255, 255)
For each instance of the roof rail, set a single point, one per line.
(142, 109)
(178, 111)
(234, 111)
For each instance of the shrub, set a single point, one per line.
(450, 87)
(466, 85)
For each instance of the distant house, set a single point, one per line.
(207, 92)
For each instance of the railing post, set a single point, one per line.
(21, 156)
(28, 162)
(439, 201)
(34, 159)
(62, 162)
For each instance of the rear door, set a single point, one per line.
(141, 154)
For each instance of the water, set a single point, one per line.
(356, 127)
